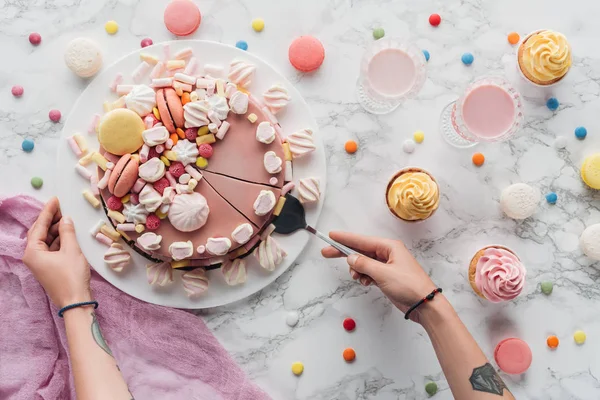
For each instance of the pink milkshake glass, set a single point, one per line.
(391, 71)
(490, 110)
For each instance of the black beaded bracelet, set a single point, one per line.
(70, 306)
(425, 299)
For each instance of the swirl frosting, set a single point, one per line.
(135, 213)
(276, 98)
(218, 105)
(159, 274)
(309, 190)
(234, 271)
(546, 56)
(269, 254)
(186, 152)
(413, 196)
(116, 257)
(499, 275)
(141, 100)
(195, 114)
(301, 143)
(195, 282)
(241, 73)
(188, 212)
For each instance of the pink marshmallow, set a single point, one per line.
(94, 185)
(144, 153)
(111, 157)
(102, 238)
(158, 70)
(117, 81)
(190, 68)
(169, 144)
(159, 148)
(103, 183)
(138, 185)
(126, 227)
(222, 130)
(124, 89)
(74, 147)
(171, 179)
(94, 123)
(287, 188)
(194, 173)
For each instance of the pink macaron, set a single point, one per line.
(182, 17)
(170, 109)
(513, 356)
(123, 176)
(306, 53)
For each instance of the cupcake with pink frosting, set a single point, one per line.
(497, 274)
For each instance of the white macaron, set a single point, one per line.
(83, 57)
(519, 201)
(590, 241)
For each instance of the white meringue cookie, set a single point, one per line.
(181, 250)
(116, 257)
(159, 274)
(219, 105)
(301, 143)
(264, 203)
(269, 254)
(141, 99)
(272, 162)
(195, 282)
(241, 73)
(242, 233)
(135, 213)
(155, 136)
(195, 114)
(276, 98)
(265, 133)
(186, 151)
(590, 241)
(234, 271)
(150, 198)
(149, 241)
(189, 212)
(218, 246)
(519, 201)
(239, 103)
(152, 170)
(309, 190)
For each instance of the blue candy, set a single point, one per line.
(426, 54)
(27, 145)
(551, 198)
(467, 58)
(580, 132)
(242, 44)
(552, 103)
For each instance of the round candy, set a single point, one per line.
(560, 142)
(152, 222)
(408, 146)
(54, 115)
(35, 38)
(297, 368)
(161, 184)
(258, 24)
(205, 150)
(467, 58)
(17, 90)
(201, 162)
(114, 203)
(349, 324)
(146, 42)
(579, 337)
(419, 136)
(83, 57)
(378, 33)
(120, 131)
(27, 145)
(191, 134)
(292, 318)
(513, 356)
(351, 147)
(111, 27)
(241, 44)
(590, 171)
(478, 159)
(435, 19)
(176, 169)
(182, 17)
(513, 38)
(37, 182)
(552, 103)
(349, 354)
(580, 132)
(519, 201)
(547, 287)
(431, 388)
(306, 53)
(551, 198)
(590, 241)
(552, 342)
(426, 54)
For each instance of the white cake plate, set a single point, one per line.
(133, 280)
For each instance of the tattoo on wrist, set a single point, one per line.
(97, 334)
(486, 379)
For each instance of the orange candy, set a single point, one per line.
(181, 133)
(351, 146)
(478, 159)
(552, 342)
(349, 354)
(174, 138)
(185, 98)
(513, 38)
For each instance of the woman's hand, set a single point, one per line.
(391, 267)
(55, 259)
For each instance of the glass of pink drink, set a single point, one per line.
(490, 110)
(391, 71)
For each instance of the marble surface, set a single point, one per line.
(394, 358)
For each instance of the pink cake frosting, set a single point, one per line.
(499, 275)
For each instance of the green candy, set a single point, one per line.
(37, 182)
(547, 287)
(378, 33)
(431, 388)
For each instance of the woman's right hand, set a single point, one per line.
(390, 266)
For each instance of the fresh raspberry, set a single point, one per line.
(152, 222)
(205, 150)
(161, 184)
(153, 153)
(134, 198)
(114, 203)
(176, 169)
(191, 134)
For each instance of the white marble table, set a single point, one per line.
(395, 358)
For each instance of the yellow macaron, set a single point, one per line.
(120, 131)
(590, 171)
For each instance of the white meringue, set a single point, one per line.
(135, 213)
(301, 143)
(309, 190)
(218, 246)
(195, 282)
(241, 73)
(149, 241)
(181, 250)
(150, 198)
(519, 201)
(116, 257)
(242, 233)
(155, 136)
(264, 203)
(188, 212)
(152, 170)
(141, 99)
(272, 162)
(186, 151)
(219, 105)
(239, 103)
(269, 254)
(265, 133)
(590, 241)
(276, 98)
(195, 114)
(159, 274)
(234, 271)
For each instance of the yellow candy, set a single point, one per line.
(161, 215)
(205, 139)
(258, 24)
(203, 130)
(156, 113)
(297, 368)
(419, 136)
(201, 162)
(180, 264)
(590, 171)
(139, 228)
(165, 161)
(125, 199)
(117, 216)
(111, 27)
(171, 155)
(579, 337)
(252, 118)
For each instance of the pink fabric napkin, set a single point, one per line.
(163, 353)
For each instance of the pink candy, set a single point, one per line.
(117, 81)
(222, 130)
(193, 172)
(54, 115)
(74, 147)
(144, 153)
(138, 186)
(287, 188)
(102, 238)
(171, 179)
(17, 91)
(126, 227)
(35, 38)
(158, 70)
(94, 185)
(146, 42)
(111, 157)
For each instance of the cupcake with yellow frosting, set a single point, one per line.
(544, 57)
(413, 195)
